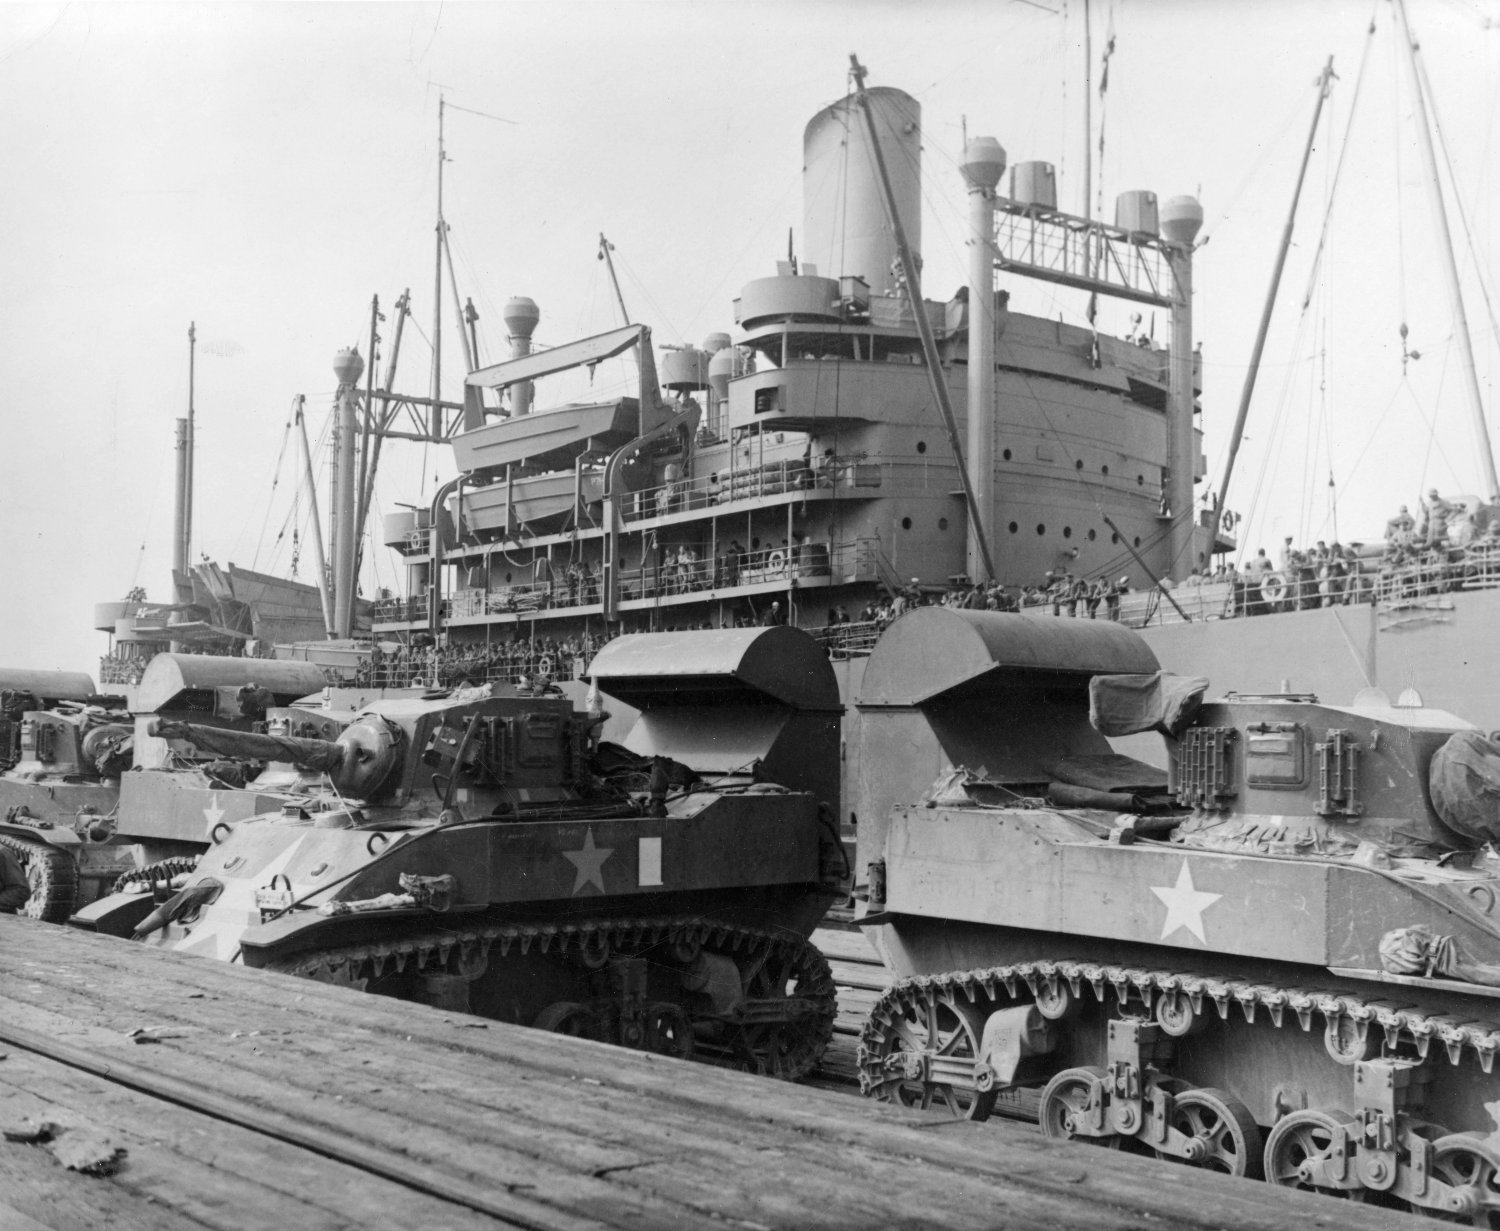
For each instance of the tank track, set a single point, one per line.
(1347, 1017)
(758, 1043)
(162, 870)
(53, 876)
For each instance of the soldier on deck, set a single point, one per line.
(15, 889)
(1398, 530)
(1435, 514)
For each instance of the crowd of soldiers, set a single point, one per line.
(475, 663)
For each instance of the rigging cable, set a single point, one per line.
(1463, 215)
(286, 432)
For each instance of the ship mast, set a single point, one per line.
(436, 415)
(1450, 267)
(1325, 82)
(912, 278)
(182, 537)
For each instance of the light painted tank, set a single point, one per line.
(1283, 958)
(87, 797)
(845, 231)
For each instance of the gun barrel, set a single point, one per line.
(315, 754)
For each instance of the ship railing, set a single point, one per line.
(1422, 578)
(751, 483)
(399, 610)
(854, 639)
(673, 574)
(1480, 566)
(114, 670)
(463, 665)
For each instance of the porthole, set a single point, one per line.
(906, 523)
(1091, 536)
(1137, 540)
(942, 523)
(1104, 469)
(1078, 465)
(1014, 529)
(921, 446)
(1114, 538)
(1140, 480)
(1067, 532)
(1006, 455)
(1041, 529)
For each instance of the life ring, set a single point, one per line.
(1226, 522)
(776, 562)
(544, 665)
(1273, 587)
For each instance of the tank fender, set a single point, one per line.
(1011, 1036)
(296, 933)
(116, 914)
(53, 835)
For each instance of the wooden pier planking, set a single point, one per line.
(540, 1130)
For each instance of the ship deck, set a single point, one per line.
(248, 1100)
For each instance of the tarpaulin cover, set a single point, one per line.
(1130, 704)
(1109, 772)
(1465, 782)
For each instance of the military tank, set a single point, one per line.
(483, 852)
(1279, 958)
(88, 799)
(62, 750)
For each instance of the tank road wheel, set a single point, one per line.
(1474, 1169)
(570, 1017)
(937, 1028)
(1175, 1015)
(1227, 1137)
(1072, 1102)
(52, 876)
(1301, 1139)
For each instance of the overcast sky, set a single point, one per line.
(265, 169)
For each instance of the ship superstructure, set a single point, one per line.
(798, 471)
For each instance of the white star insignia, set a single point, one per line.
(212, 814)
(590, 862)
(1185, 905)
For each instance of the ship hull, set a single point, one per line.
(1447, 648)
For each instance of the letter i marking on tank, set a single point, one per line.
(649, 862)
(1185, 904)
(589, 860)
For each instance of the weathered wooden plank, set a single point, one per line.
(848, 946)
(862, 975)
(715, 1144)
(206, 1173)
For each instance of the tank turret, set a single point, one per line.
(1279, 958)
(657, 893)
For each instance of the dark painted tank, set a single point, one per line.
(482, 851)
(1280, 959)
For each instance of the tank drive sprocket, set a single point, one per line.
(53, 878)
(608, 976)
